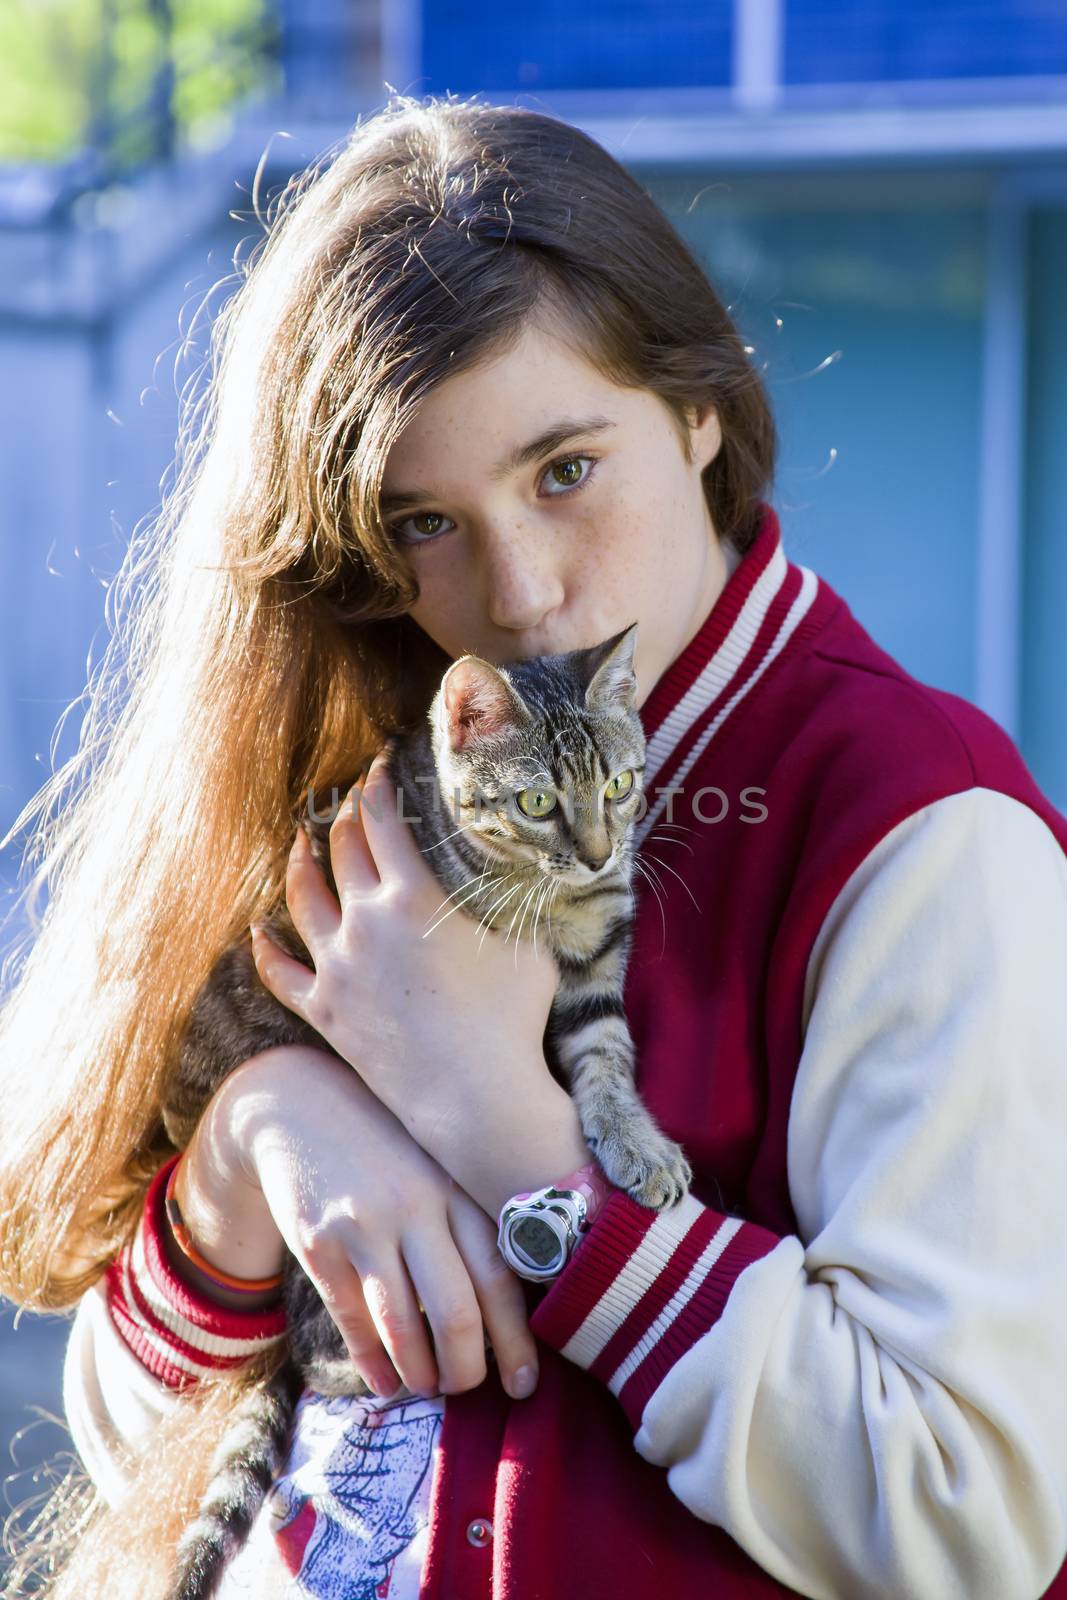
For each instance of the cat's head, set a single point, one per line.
(542, 761)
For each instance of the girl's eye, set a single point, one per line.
(569, 480)
(570, 468)
(620, 784)
(421, 535)
(536, 802)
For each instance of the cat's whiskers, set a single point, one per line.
(520, 908)
(549, 893)
(478, 878)
(464, 827)
(537, 912)
(495, 907)
(647, 875)
(553, 896)
(536, 898)
(651, 874)
(683, 827)
(630, 891)
(665, 838)
(544, 898)
(473, 895)
(490, 925)
(489, 864)
(498, 883)
(522, 914)
(681, 880)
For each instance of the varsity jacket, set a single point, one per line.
(834, 1369)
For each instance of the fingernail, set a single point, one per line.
(523, 1383)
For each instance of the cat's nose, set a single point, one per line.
(594, 863)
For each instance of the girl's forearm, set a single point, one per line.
(226, 1213)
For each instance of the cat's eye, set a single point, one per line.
(620, 784)
(536, 803)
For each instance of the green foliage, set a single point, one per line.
(128, 76)
(49, 53)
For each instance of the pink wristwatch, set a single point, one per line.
(539, 1230)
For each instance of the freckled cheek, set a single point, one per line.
(621, 552)
(445, 604)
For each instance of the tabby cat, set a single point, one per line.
(523, 787)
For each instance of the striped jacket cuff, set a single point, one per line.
(642, 1287)
(176, 1332)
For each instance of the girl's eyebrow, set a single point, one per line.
(556, 434)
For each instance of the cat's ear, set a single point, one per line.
(475, 701)
(611, 667)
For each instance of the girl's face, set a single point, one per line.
(544, 508)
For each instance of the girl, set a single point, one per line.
(476, 395)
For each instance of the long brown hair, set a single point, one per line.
(260, 643)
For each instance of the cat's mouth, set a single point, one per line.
(583, 877)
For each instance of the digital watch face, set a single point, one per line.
(535, 1241)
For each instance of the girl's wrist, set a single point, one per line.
(225, 1212)
(531, 1150)
(206, 1286)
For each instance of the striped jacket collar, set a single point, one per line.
(758, 611)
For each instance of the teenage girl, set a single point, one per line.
(477, 396)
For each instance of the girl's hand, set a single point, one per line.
(372, 1219)
(442, 1019)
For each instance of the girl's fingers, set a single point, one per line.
(393, 1307)
(354, 869)
(388, 835)
(312, 905)
(500, 1296)
(447, 1294)
(338, 1285)
(288, 980)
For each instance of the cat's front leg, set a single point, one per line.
(595, 1052)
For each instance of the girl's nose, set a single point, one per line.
(523, 581)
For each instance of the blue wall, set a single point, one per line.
(857, 41)
(608, 44)
(1044, 732)
(555, 44)
(87, 417)
(889, 274)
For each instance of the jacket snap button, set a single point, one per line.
(480, 1531)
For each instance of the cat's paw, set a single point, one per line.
(663, 1185)
(655, 1173)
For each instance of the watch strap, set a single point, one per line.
(593, 1184)
(590, 1181)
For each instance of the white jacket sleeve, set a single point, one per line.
(112, 1402)
(140, 1336)
(876, 1407)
